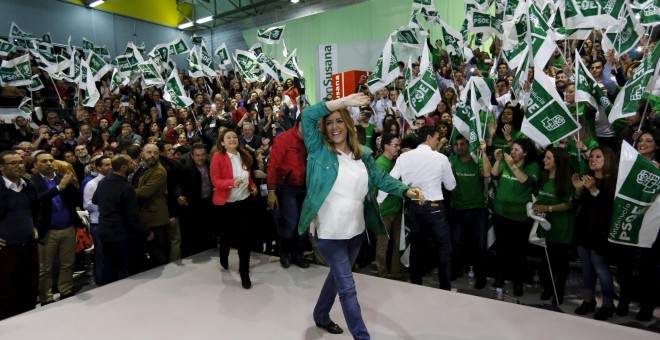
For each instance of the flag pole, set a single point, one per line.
(55, 88)
(641, 122)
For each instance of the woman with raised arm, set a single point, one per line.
(342, 179)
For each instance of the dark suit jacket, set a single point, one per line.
(35, 205)
(71, 197)
(119, 216)
(191, 182)
(173, 169)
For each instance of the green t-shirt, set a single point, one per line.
(578, 158)
(392, 205)
(500, 143)
(369, 132)
(512, 196)
(469, 192)
(562, 222)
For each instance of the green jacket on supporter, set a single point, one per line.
(392, 205)
(322, 170)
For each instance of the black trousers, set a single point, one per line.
(19, 279)
(236, 227)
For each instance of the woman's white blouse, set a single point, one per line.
(342, 214)
(242, 192)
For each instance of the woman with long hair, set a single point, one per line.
(555, 200)
(154, 130)
(234, 188)
(507, 130)
(342, 178)
(518, 176)
(594, 194)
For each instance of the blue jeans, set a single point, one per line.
(469, 240)
(340, 256)
(290, 199)
(594, 265)
(429, 220)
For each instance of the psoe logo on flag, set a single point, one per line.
(637, 92)
(625, 35)
(649, 181)
(552, 123)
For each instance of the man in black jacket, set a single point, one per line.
(59, 199)
(19, 257)
(173, 168)
(196, 202)
(119, 220)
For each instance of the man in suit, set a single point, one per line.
(173, 168)
(119, 220)
(150, 182)
(196, 200)
(19, 257)
(57, 231)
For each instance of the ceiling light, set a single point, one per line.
(186, 25)
(295, 1)
(96, 3)
(203, 20)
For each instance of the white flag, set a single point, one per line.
(270, 36)
(16, 72)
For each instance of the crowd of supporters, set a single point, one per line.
(574, 179)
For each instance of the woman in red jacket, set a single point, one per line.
(230, 176)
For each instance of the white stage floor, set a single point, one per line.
(194, 299)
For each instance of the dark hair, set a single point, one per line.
(246, 158)
(655, 134)
(503, 80)
(516, 123)
(610, 163)
(387, 126)
(424, 132)
(563, 182)
(528, 147)
(161, 144)
(387, 139)
(133, 151)
(199, 146)
(7, 153)
(99, 161)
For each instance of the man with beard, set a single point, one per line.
(150, 182)
(561, 82)
(119, 220)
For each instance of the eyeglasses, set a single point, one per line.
(14, 163)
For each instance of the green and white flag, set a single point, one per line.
(454, 42)
(588, 90)
(271, 36)
(16, 72)
(246, 65)
(422, 94)
(28, 44)
(223, 54)
(479, 22)
(47, 39)
(256, 49)
(408, 36)
(547, 118)
(466, 120)
(623, 37)
(98, 66)
(177, 46)
(516, 56)
(386, 69)
(196, 40)
(542, 36)
(208, 66)
(290, 66)
(625, 104)
(36, 84)
(134, 51)
(102, 52)
(425, 4)
(87, 45)
(636, 203)
(15, 32)
(124, 65)
(649, 13)
(269, 66)
(5, 47)
(591, 13)
(26, 105)
(195, 67)
(150, 73)
(174, 92)
(160, 54)
(88, 85)
(116, 81)
(403, 100)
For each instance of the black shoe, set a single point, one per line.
(331, 328)
(645, 313)
(481, 283)
(622, 308)
(66, 296)
(586, 307)
(224, 261)
(517, 289)
(245, 280)
(546, 294)
(285, 261)
(604, 312)
(300, 263)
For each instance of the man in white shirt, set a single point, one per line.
(103, 167)
(429, 170)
